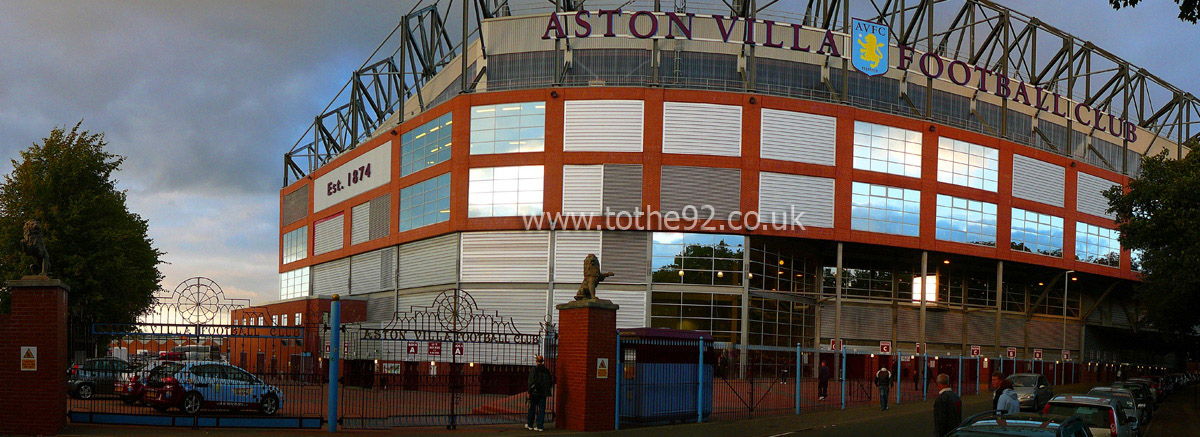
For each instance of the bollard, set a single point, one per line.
(335, 349)
(796, 388)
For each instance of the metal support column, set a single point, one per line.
(798, 376)
(843, 350)
(617, 399)
(335, 350)
(700, 383)
(837, 304)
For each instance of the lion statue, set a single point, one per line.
(591, 278)
(34, 245)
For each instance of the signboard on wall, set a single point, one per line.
(1037, 354)
(975, 350)
(369, 170)
(885, 347)
(1012, 352)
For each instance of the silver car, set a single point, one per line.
(1033, 390)
(1127, 401)
(1104, 415)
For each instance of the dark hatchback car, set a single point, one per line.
(1033, 390)
(1141, 392)
(992, 423)
(96, 376)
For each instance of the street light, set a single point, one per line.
(1065, 288)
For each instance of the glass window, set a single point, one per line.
(1037, 233)
(887, 149)
(969, 165)
(1097, 245)
(295, 245)
(508, 128)
(425, 203)
(293, 284)
(966, 221)
(297, 319)
(505, 191)
(274, 320)
(708, 259)
(880, 208)
(715, 313)
(426, 145)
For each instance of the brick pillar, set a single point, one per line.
(587, 333)
(34, 402)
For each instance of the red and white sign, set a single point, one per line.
(361, 174)
(412, 348)
(1037, 354)
(435, 348)
(1066, 355)
(835, 344)
(975, 350)
(458, 349)
(326, 346)
(1012, 352)
(885, 347)
(919, 348)
(346, 348)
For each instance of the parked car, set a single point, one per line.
(993, 423)
(1033, 390)
(95, 376)
(198, 385)
(1127, 401)
(1155, 388)
(1103, 415)
(130, 389)
(1141, 392)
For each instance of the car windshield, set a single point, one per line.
(1093, 415)
(1024, 381)
(1125, 400)
(164, 370)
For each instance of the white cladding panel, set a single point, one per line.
(583, 189)
(432, 261)
(1038, 181)
(328, 234)
(702, 129)
(331, 278)
(1088, 197)
(603, 125)
(570, 249)
(366, 272)
(526, 308)
(407, 303)
(381, 306)
(360, 223)
(799, 137)
(782, 195)
(520, 256)
(340, 184)
(632, 311)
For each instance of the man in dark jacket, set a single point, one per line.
(823, 376)
(947, 408)
(883, 380)
(541, 382)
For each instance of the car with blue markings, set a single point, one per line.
(198, 385)
(996, 423)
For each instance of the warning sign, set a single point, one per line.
(835, 344)
(458, 349)
(1012, 352)
(28, 358)
(435, 348)
(975, 350)
(1037, 354)
(412, 348)
(601, 368)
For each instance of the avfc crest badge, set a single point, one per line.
(870, 47)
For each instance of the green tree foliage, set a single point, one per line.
(1189, 10)
(96, 245)
(1159, 216)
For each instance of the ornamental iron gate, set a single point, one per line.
(448, 364)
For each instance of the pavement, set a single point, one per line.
(1178, 416)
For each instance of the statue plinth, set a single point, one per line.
(36, 281)
(604, 304)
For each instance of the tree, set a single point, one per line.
(1159, 216)
(97, 246)
(1189, 10)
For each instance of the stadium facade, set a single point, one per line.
(776, 184)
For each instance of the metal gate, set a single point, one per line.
(448, 364)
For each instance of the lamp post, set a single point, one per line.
(1066, 286)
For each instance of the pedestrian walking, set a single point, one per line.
(823, 376)
(541, 383)
(947, 408)
(883, 380)
(1005, 397)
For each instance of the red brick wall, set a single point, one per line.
(312, 309)
(584, 402)
(34, 402)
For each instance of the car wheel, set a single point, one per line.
(191, 403)
(269, 405)
(85, 391)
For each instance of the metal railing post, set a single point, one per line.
(796, 388)
(977, 373)
(617, 401)
(335, 349)
(959, 385)
(700, 384)
(899, 358)
(925, 373)
(843, 349)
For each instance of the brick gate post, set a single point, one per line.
(587, 335)
(34, 402)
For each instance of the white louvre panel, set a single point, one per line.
(570, 249)
(360, 223)
(526, 308)
(623, 189)
(1088, 197)
(505, 256)
(381, 306)
(943, 326)
(827, 313)
(1045, 334)
(432, 261)
(1038, 181)
(720, 188)
(408, 303)
(624, 254)
(387, 268)
(1073, 334)
(583, 189)
(702, 129)
(1119, 316)
(867, 322)
(365, 272)
(908, 324)
(381, 216)
(799, 137)
(980, 328)
(782, 195)
(327, 234)
(602, 126)
(331, 278)
(632, 311)
(1012, 332)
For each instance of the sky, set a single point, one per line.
(204, 98)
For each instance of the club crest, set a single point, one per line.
(870, 43)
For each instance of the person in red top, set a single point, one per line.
(947, 408)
